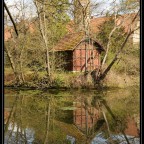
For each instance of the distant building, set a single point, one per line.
(136, 34)
(23, 26)
(124, 20)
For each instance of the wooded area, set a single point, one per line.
(30, 40)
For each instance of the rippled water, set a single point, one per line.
(74, 116)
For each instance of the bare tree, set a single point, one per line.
(119, 22)
(131, 31)
(41, 11)
(15, 46)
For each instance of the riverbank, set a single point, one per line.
(69, 80)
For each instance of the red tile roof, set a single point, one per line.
(96, 23)
(9, 30)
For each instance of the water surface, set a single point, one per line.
(74, 116)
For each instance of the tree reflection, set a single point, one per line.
(34, 117)
(48, 117)
(103, 104)
(91, 114)
(14, 130)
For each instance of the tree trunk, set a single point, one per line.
(18, 80)
(47, 123)
(43, 30)
(115, 119)
(11, 18)
(103, 75)
(21, 65)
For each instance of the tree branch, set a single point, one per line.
(103, 75)
(11, 18)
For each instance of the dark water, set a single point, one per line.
(67, 117)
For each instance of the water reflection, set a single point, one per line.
(85, 115)
(15, 134)
(71, 117)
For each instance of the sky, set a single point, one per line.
(28, 6)
(31, 11)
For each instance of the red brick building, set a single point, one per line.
(81, 54)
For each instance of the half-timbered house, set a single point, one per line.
(81, 54)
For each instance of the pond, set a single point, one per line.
(74, 116)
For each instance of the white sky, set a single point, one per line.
(30, 8)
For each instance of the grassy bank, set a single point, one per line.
(69, 80)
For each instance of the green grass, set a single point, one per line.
(119, 76)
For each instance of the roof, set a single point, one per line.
(96, 22)
(8, 34)
(70, 41)
(9, 29)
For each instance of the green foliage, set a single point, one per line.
(56, 19)
(28, 49)
(128, 62)
(116, 39)
(58, 61)
(6, 60)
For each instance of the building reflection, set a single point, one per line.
(85, 116)
(88, 118)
